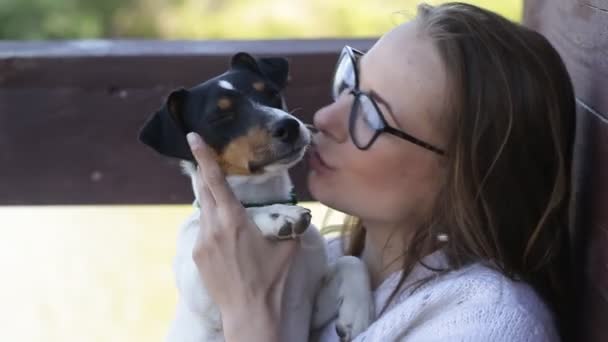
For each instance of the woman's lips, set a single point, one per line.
(316, 161)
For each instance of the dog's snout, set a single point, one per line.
(287, 130)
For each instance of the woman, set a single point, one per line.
(449, 143)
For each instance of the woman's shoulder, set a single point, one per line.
(476, 302)
(479, 284)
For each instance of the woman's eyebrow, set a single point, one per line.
(375, 95)
(382, 101)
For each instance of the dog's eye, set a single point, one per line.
(272, 93)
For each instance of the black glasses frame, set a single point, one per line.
(353, 54)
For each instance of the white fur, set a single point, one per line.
(226, 85)
(312, 284)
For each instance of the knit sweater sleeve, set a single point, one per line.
(481, 325)
(476, 304)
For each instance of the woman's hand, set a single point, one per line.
(244, 272)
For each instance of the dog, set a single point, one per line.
(241, 114)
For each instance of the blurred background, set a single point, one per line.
(211, 19)
(103, 273)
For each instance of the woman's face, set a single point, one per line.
(394, 180)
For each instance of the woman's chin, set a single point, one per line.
(320, 191)
(311, 182)
(316, 186)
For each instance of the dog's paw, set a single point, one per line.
(290, 221)
(282, 221)
(354, 316)
(355, 300)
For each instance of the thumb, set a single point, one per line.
(285, 252)
(211, 171)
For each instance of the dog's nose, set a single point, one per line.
(287, 130)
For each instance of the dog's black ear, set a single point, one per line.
(276, 69)
(165, 130)
(245, 60)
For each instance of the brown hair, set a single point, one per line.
(511, 131)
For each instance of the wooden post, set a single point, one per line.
(579, 31)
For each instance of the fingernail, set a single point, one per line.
(193, 139)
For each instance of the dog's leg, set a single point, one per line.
(345, 291)
(280, 221)
(308, 267)
(197, 318)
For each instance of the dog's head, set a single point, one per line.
(240, 116)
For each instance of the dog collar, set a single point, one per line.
(291, 201)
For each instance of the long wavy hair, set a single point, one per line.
(510, 139)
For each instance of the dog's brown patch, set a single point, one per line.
(224, 103)
(259, 86)
(239, 153)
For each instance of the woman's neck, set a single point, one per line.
(385, 245)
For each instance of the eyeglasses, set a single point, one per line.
(366, 121)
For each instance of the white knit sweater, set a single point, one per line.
(475, 303)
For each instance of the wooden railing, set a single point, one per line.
(71, 111)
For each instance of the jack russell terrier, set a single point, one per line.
(241, 115)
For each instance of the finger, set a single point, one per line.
(208, 220)
(211, 172)
(207, 202)
(285, 251)
(290, 248)
(285, 254)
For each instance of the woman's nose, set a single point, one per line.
(333, 119)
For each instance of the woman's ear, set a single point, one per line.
(165, 130)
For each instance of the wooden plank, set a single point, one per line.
(579, 31)
(165, 48)
(590, 229)
(129, 64)
(70, 113)
(597, 248)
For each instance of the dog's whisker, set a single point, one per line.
(311, 128)
(293, 111)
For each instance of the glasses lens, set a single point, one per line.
(344, 77)
(365, 121)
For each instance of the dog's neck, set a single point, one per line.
(252, 190)
(262, 189)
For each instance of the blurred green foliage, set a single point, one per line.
(212, 19)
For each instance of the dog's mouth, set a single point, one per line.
(284, 160)
(292, 156)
